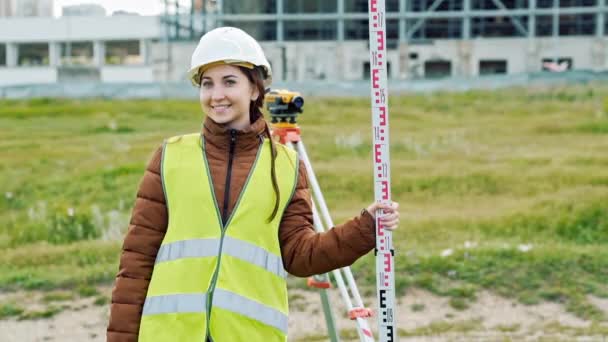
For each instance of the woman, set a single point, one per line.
(222, 215)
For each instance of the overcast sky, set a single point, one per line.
(144, 7)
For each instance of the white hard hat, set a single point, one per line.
(228, 45)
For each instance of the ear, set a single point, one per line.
(255, 94)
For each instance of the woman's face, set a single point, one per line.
(225, 95)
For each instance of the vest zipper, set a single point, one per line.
(228, 176)
(208, 337)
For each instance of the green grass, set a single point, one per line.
(57, 296)
(8, 310)
(496, 171)
(417, 307)
(443, 327)
(41, 314)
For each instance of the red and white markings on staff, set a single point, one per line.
(385, 271)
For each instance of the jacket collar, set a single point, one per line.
(249, 138)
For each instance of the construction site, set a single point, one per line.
(313, 40)
(496, 163)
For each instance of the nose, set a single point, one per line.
(217, 93)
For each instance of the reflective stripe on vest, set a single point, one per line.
(209, 247)
(232, 270)
(182, 303)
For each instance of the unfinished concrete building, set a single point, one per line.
(327, 39)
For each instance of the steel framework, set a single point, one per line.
(407, 20)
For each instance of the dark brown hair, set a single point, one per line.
(255, 111)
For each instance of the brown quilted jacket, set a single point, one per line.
(304, 251)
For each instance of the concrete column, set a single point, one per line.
(99, 53)
(464, 57)
(340, 62)
(601, 19)
(220, 11)
(340, 9)
(280, 23)
(404, 61)
(598, 54)
(143, 51)
(555, 24)
(402, 67)
(466, 20)
(12, 55)
(531, 19)
(54, 54)
(532, 57)
(402, 23)
(300, 61)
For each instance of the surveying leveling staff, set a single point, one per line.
(218, 221)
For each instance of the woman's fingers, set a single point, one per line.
(390, 214)
(391, 218)
(390, 222)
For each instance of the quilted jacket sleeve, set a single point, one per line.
(146, 232)
(306, 252)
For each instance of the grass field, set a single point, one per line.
(500, 190)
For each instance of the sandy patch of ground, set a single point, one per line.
(431, 318)
(79, 320)
(421, 316)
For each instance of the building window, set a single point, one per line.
(359, 30)
(492, 67)
(260, 30)
(310, 30)
(367, 71)
(249, 6)
(497, 27)
(424, 5)
(557, 64)
(491, 5)
(577, 25)
(2, 54)
(356, 30)
(123, 52)
(565, 3)
(361, 6)
(441, 28)
(437, 69)
(569, 25)
(311, 6)
(77, 53)
(33, 54)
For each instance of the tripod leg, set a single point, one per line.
(364, 331)
(327, 218)
(332, 332)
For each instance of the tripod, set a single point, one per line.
(289, 134)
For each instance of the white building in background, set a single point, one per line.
(26, 8)
(7, 8)
(83, 10)
(79, 48)
(34, 8)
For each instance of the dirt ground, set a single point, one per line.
(421, 316)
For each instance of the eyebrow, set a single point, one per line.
(227, 76)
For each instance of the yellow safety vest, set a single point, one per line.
(209, 279)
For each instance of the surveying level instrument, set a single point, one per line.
(284, 128)
(284, 105)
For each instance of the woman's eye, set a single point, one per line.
(206, 84)
(230, 82)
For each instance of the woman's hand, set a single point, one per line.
(390, 220)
